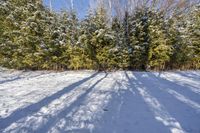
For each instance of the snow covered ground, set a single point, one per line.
(87, 101)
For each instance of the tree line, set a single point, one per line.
(141, 38)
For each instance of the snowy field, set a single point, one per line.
(91, 102)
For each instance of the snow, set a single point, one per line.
(91, 102)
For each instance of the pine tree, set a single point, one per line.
(193, 37)
(33, 33)
(103, 40)
(33, 37)
(177, 39)
(140, 39)
(159, 51)
(26, 25)
(76, 48)
(97, 39)
(9, 47)
(119, 52)
(148, 39)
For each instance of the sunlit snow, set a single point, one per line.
(99, 102)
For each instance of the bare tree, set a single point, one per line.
(167, 7)
(72, 4)
(50, 5)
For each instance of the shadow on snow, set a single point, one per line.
(141, 102)
(26, 111)
(52, 121)
(180, 107)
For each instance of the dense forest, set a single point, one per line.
(136, 35)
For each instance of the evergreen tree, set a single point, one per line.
(10, 49)
(76, 45)
(140, 40)
(97, 39)
(159, 51)
(193, 36)
(177, 39)
(148, 39)
(119, 52)
(33, 37)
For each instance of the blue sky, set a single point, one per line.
(81, 6)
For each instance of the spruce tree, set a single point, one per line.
(97, 39)
(140, 40)
(178, 40)
(193, 37)
(120, 56)
(158, 51)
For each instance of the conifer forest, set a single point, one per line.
(114, 34)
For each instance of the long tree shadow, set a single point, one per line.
(179, 81)
(184, 89)
(26, 111)
(51, 121)
(188, 117)
(127, 112)
(189, 75)
(159, 111)
(86, 116)
(13, 78)
(21, 76)
(10, 80)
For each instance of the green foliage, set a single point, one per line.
(159, 51)
(148, 40)
(193, 36)
(32, 37)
